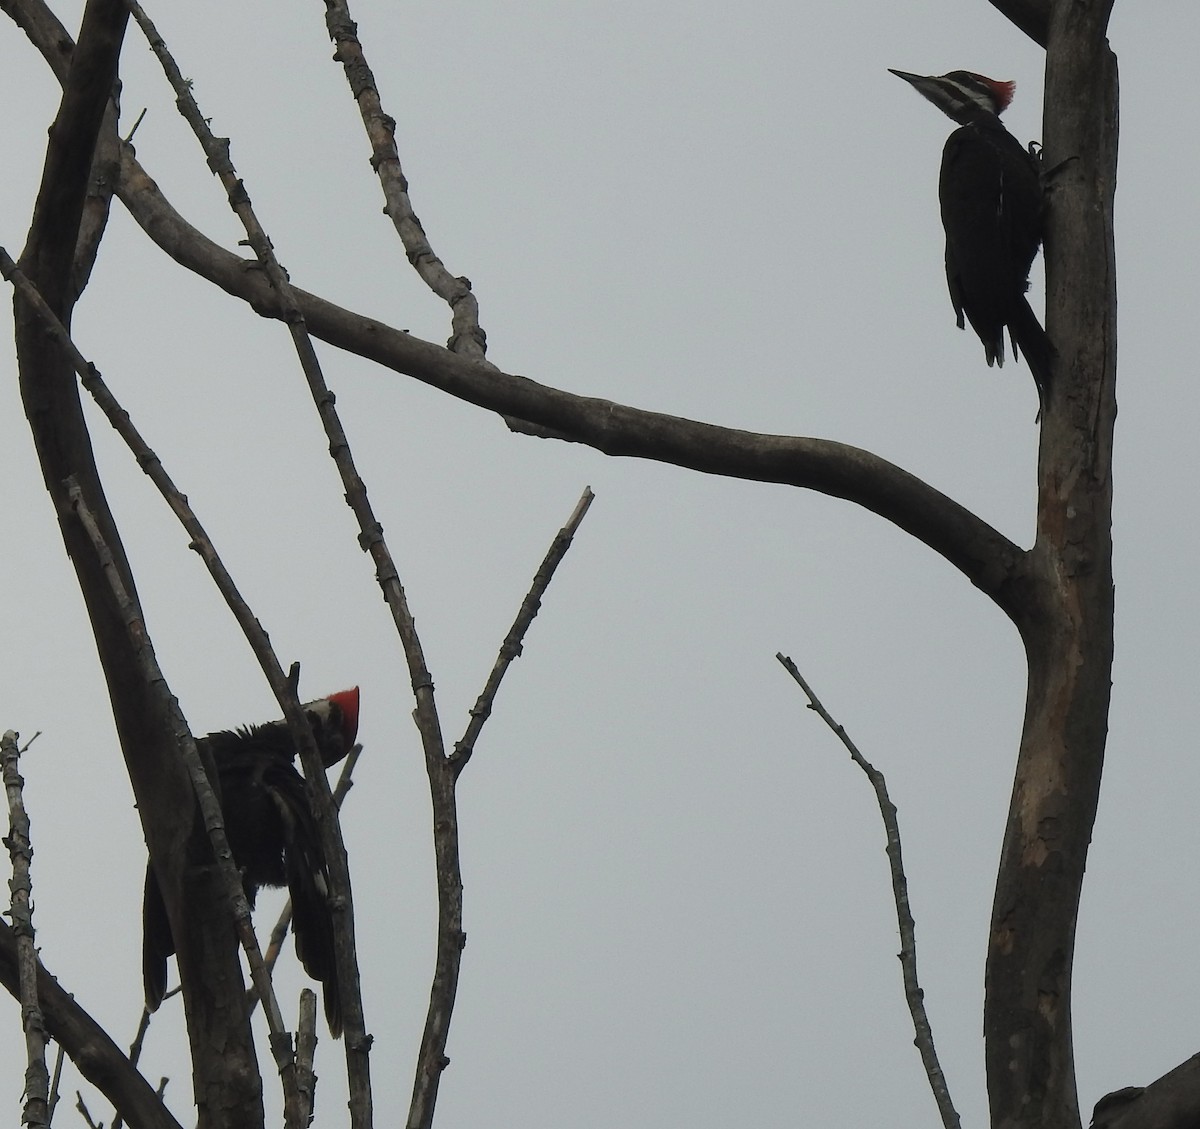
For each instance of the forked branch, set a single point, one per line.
(443, 776)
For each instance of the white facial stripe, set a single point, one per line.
(972, 94)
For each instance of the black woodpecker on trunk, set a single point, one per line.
(273, 835)
(992, 209)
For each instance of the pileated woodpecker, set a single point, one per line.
(991, 196)
(273, 836)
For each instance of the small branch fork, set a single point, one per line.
(36, 1111)
(443, 775)
(908, 940)
(467, 337)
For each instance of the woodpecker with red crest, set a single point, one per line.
(992, 209)
(273, 835)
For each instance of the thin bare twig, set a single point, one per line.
(81, 1105)
(209, 807)
(908, 939)
(467, 336)
(20, 851)
(59, 1056)
(135, 1048)
(511, 647)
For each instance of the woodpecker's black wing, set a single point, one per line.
(991, 204)
(274, 839)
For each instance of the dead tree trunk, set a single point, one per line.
(1066, 614)
(225, 1072)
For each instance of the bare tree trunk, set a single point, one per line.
(1066, 615)
(225, 1071)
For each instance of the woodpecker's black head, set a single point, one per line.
(962, 95)
(335, 724)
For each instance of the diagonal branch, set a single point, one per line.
(1030, 16)
(97, 1057)
(988, 559)
(513, 641)
(260, 644)
(371, 539)
(908, 935)
(467, 336)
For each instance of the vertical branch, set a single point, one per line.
(20, 850)
(306, 1048)
(1066, 620)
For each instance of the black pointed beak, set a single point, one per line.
(915, 79)
(946, 98)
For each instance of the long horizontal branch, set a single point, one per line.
(984, 555)
(991, 561)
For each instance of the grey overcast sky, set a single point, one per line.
(677, 902)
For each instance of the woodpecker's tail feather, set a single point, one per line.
(1029, 339)
(312, 931)
(157, 942)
